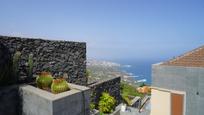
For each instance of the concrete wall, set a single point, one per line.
(112, 86)
(187, 79)
(55, 56)
(40, 102)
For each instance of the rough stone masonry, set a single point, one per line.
(58, 57)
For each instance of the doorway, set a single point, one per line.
(177, 104)
(167, 102)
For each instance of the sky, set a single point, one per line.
(112, 29)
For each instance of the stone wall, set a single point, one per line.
(187, 79)
(58, 57)
(10, 103)
(112, 86)
(6, 76)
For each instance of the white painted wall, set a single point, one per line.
(160, 103)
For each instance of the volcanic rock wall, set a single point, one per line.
(58, 57)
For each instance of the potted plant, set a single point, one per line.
(54, 97)
(44, 80)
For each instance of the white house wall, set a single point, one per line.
(187, 79)
(160, 103)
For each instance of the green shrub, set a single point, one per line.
(129, 90)
(106, 103)
(92, 106)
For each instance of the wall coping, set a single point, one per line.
(103, 81)
(38, 38)
(51, 96)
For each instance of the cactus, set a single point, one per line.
(16, 59)
(44, 80)
(59, 85)
(30, 66)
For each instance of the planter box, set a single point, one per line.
(39, 102)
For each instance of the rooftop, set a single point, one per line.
(194, 58)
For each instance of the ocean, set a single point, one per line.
(139, 69)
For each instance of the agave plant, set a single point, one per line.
(59, 85)
(44, 80)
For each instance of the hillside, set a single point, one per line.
(99, 70)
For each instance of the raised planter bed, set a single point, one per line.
(36, 101)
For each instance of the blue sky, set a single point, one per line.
(113, 29)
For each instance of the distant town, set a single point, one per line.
(101, 69)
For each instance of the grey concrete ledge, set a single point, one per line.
(36, 101)
(105, 80)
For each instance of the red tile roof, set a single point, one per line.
(194, 58)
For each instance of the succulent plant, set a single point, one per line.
(30, 66)
(59, 85)
(16, 59)
(44, 80)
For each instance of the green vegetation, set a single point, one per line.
(129, 91)
(44, 80)
(106, 103)
(126, 99)
(59, 85)
(92, 106)
(10, 69)
(88, 72)
(16, 60)
(30, 66)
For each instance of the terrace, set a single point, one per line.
(25, 62)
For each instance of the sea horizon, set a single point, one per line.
(140, 70)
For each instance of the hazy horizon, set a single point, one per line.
(113, 30)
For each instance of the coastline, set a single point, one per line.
(105, 69)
